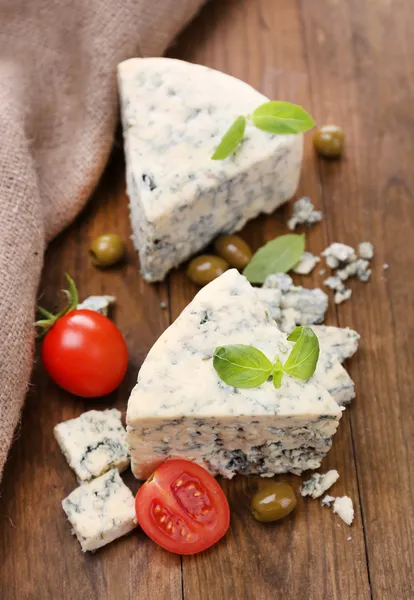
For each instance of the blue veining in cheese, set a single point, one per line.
(337, 342)
(174, 115)
(94, 443)
(180, 407)
(100, 511)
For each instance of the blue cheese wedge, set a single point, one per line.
(174, 115)
(319, 483)
(181, 408)
(94, 443)
(337, 342)
(100, 511)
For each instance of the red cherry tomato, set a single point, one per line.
(182, 508)
(85, 354)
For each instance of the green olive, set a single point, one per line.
(234, 250)
(106, 250)
(329, 141)
(203, 269)
(273, 502)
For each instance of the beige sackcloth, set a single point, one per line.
(58, 113)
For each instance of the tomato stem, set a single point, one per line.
(72, 303)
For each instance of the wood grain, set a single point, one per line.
(368, 82)
(288, 558)
(39, 560)
(348, 62)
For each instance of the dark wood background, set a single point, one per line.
(350, 62)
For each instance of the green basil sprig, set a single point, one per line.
(274, 117)
(278, 256)
(242, 366)
(245, 367)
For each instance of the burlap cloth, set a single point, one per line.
(58, 113)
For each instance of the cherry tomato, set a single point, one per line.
(182, 508)
(85, 354)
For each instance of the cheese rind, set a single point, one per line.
(180, 407)
(100, 511)
(94, 443)
(174, 115)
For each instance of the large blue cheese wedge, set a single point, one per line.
(181, 408)
(174, 115)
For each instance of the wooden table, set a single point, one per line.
(350, 62)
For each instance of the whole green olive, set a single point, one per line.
(273, 502)
(106, 250)
(329, 141)
(203, 269)
(234, 250)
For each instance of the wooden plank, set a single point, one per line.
(361, 60)
(337, 59)
(261, 42)
(39, 559)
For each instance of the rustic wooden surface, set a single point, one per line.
(349, 62)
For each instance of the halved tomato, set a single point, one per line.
(182, 508)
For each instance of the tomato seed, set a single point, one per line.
(179, 482)
(182, 531)
(157, 508)
(169, 525)
(197, 494)
(162, 519)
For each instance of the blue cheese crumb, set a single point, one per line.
(366, 250)
(309, 305)
(304, 213)
(306, 264)
(98, 304)
(319, 483)
(344, 508)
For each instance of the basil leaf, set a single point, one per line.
(278, 256)
(231, 139)
(241, 366)
(282, 118)
(277, 373)
(302, 360)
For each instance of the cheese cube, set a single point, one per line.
(94, 443)
(181, 408)
(174, 115)
(100, 511)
